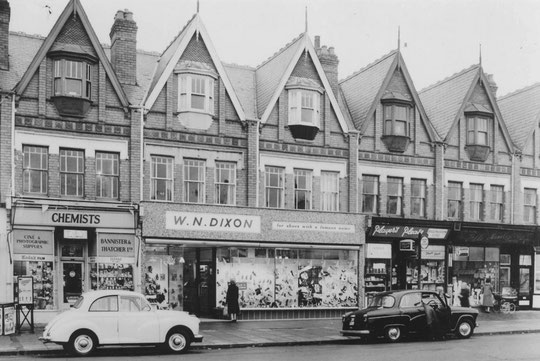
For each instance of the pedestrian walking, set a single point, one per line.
(232, 300)
(487, 295)
(464, 295)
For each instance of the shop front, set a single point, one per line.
(308, 267)
(406, 254)
(70, 248)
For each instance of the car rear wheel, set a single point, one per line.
(82, 343)
(465, 329)
(393, 333)
(177, 341)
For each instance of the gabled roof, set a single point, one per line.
(446, 100)
(73, 7)
(521, 112)
(171, 56)
(273, 75)
(363, 90)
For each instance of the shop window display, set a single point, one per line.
(42, 273)
(111, 276)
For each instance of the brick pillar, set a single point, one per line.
(316, 193)
(124, 47)
(383, 191)
(353, 171)
(486, 206)
(507, 200)
(252, 162)
(222, 107)
(438, 183)
(210, 185)
(169, 104)
(5, 148)
(327, 117)
(516, 209)
(135, 157)
(102, 94)
(289, 191)
(5, 15)
(282, 115)
(90, 178)
(406, 206)
(466, 204)
(42, 88)
(378, 131)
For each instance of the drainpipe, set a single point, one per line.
(141, 168)
(512, 190)
(12, 146)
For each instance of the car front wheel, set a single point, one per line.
(465, 329)
(394, 333)
(82, 343)
(177, 341)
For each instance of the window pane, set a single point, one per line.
(329, 191)
(225, 183)
(161, 178)
(194, 180)
(302, 188)
(370, 190)
(274, 186)
(401, 128)
(401, 113)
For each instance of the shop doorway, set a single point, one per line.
(525, 284)
(73, 281)
(199, 281)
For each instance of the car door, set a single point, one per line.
(103, 313)
(411, 306)
(137, 322)
(442, 311)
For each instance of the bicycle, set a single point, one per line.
(502, 304)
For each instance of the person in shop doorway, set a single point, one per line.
(487, 295)
(464, 295)
(232, 300)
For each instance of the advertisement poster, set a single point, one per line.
(26, 290)
(9, 320)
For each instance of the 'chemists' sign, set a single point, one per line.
(115, 248)
(33, 245)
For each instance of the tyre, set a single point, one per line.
(81, 343)
(512, 307)
(505, 307)
(177, 341)
(393, 333)
(464, 329)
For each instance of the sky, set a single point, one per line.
(438, 37)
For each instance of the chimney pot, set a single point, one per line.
(331, 50)
(5, 15)
(317, 41)
(119, 15)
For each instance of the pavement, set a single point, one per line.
(219, 334)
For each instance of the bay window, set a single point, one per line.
(478, 136)
(396, 125)
(195, 93)
(304, 113)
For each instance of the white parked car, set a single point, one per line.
(114, 317)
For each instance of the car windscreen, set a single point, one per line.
(79, 302)
(385, 301)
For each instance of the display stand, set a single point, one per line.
(23, 314)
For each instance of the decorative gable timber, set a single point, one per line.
(171, 56)
(73, 8)
(305, 45)
(480, 78)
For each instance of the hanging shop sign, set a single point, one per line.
(406, 245)
(115, 248)
(317, 227)
(33, 245)
(384, 230)
(188, 221)
(73, 218)
(379, 250)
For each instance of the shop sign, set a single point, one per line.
(382, 230)
(187, 221)
(115, 248)
(378, 250)
(461, 251)
(433, 252)
(424, 242)
(25, 289)
(36, 216)
(33, 257)
(242, 286)
(7, 320)
(32, 242)
(318, 227)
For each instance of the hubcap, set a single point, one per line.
(177, 342)
(83, 344)
(464, 329)
(393, 333)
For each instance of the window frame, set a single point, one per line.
(398, 197)
(297, 106)
(225, 184)
(168, 180)
(279, 189)
(392, 119)
(375, 195)
(65, 173)
(29, 170)
(475, 130)
(113, 177)
(496, 205)
(199, 182)
(530, 209)
(63, 73)
(420, 198)
(458, 200)
(329, 191)
(476, 201)
(307, 192)
(186, 92)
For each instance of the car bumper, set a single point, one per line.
(197, 338)
(45, 339)
(354, 332)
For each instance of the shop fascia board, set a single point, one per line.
(190, 242)
(50, 203)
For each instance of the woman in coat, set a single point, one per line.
(232, 300)
(487, 291)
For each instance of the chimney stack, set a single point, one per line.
(329, 62)
(124, 47)
(5, 15)
(492, 84)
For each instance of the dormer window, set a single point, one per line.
(478, 135)
(396, 122)
(72, 78)
(196, 93)
(304, 107)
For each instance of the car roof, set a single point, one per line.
(101, 293)
(403, 292)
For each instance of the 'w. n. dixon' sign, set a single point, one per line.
(188, 221)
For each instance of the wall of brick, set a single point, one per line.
(5, 15)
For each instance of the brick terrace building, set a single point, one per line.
(171, 174)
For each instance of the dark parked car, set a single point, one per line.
(395, 314)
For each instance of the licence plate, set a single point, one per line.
(351, 322)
